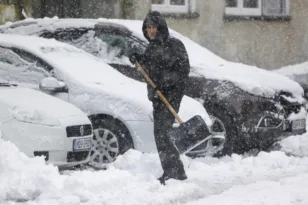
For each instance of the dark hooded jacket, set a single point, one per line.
(165, 59)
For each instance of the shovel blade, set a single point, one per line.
(189, 134)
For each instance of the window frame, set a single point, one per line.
(240, 11)
(167, 8)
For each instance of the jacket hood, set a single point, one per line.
(162, 27)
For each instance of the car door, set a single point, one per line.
(26, 70)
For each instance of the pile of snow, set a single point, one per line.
(286, 191)
(296, 145)
(269, 178)
(22, 178)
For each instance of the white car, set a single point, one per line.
(117, 106)
(42, 125)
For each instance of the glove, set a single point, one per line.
(133, 57)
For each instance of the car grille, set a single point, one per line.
(79, 130)
(77, 156)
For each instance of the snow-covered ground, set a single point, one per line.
(268, 178)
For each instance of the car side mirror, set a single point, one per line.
(51, 84)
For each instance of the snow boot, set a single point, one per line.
(165, 177)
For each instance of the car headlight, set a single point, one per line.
(35, 117)
(269, 122)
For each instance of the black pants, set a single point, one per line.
(163, 121)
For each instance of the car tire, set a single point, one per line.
(110, 139)
(233, 142)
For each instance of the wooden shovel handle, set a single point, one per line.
(162, 97)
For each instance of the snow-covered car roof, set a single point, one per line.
(296, 69)
(205, 63)
(297, 72)
(96, 75)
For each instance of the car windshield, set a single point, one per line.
(81, 65)
(118, 47)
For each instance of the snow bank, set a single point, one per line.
(296, 145)
(22, 178)
(131, 179)
(288, 191)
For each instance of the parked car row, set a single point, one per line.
(116, 106)
(251, 107)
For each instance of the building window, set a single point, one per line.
(231, 3)
(174, 6)
(257, 8)
(177, 2)
(251, 4)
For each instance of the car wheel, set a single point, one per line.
(233, 142)
(110, 140)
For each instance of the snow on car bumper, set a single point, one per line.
(51, 142)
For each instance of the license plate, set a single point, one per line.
(82, 144)
(298, 124)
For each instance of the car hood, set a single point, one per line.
(29, 100)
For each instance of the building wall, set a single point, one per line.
(11, 10)
(98, 9)
(267, 44)
(7, 13)
(76, 8)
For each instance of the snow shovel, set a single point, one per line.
(189, 134)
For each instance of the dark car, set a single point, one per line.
(257, 107)
(298, 73)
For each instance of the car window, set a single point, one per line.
(15, 67)
(83, 38)
(65, 35)
(121, 45)
(29, 57)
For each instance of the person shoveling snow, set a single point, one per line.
(167, 64)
